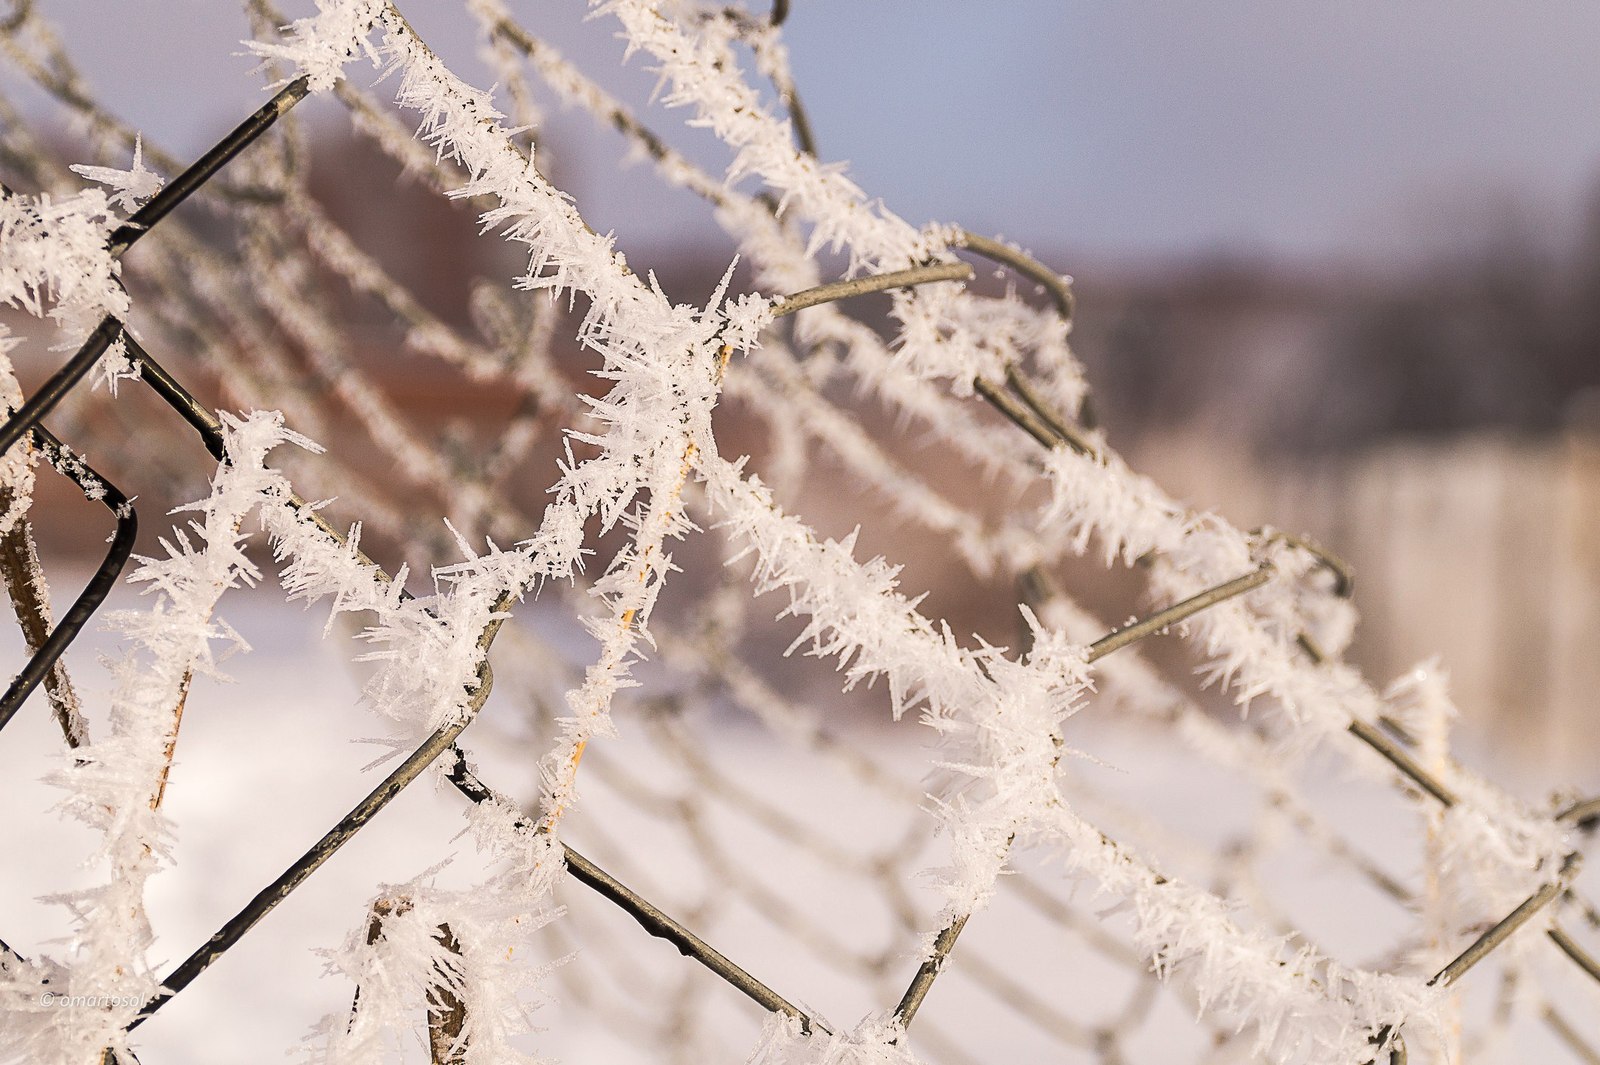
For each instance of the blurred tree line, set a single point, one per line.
(1501, 333)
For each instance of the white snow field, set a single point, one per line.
(269, 762)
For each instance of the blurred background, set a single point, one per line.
(1337, 271)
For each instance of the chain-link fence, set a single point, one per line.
(255, 296)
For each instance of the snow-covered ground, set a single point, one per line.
(266, 764)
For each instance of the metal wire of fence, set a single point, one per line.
(195, 300)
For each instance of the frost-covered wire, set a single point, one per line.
(650, 441)
(114, 782)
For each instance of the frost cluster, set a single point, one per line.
(115, 781)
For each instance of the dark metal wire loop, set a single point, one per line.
(55, 389)
(97, 488)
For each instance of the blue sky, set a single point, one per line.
(1359, 129)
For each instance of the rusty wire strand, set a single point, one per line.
(1571, 948)
(1585, 814)
(1059, 289)
(1017, 414)
(28, 417)
(1043, 411)
(30, 602)
(755, 33)
(167, 386)
(1058, 286)
(1172, 615)
(447, 1012)
(1032, 415)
